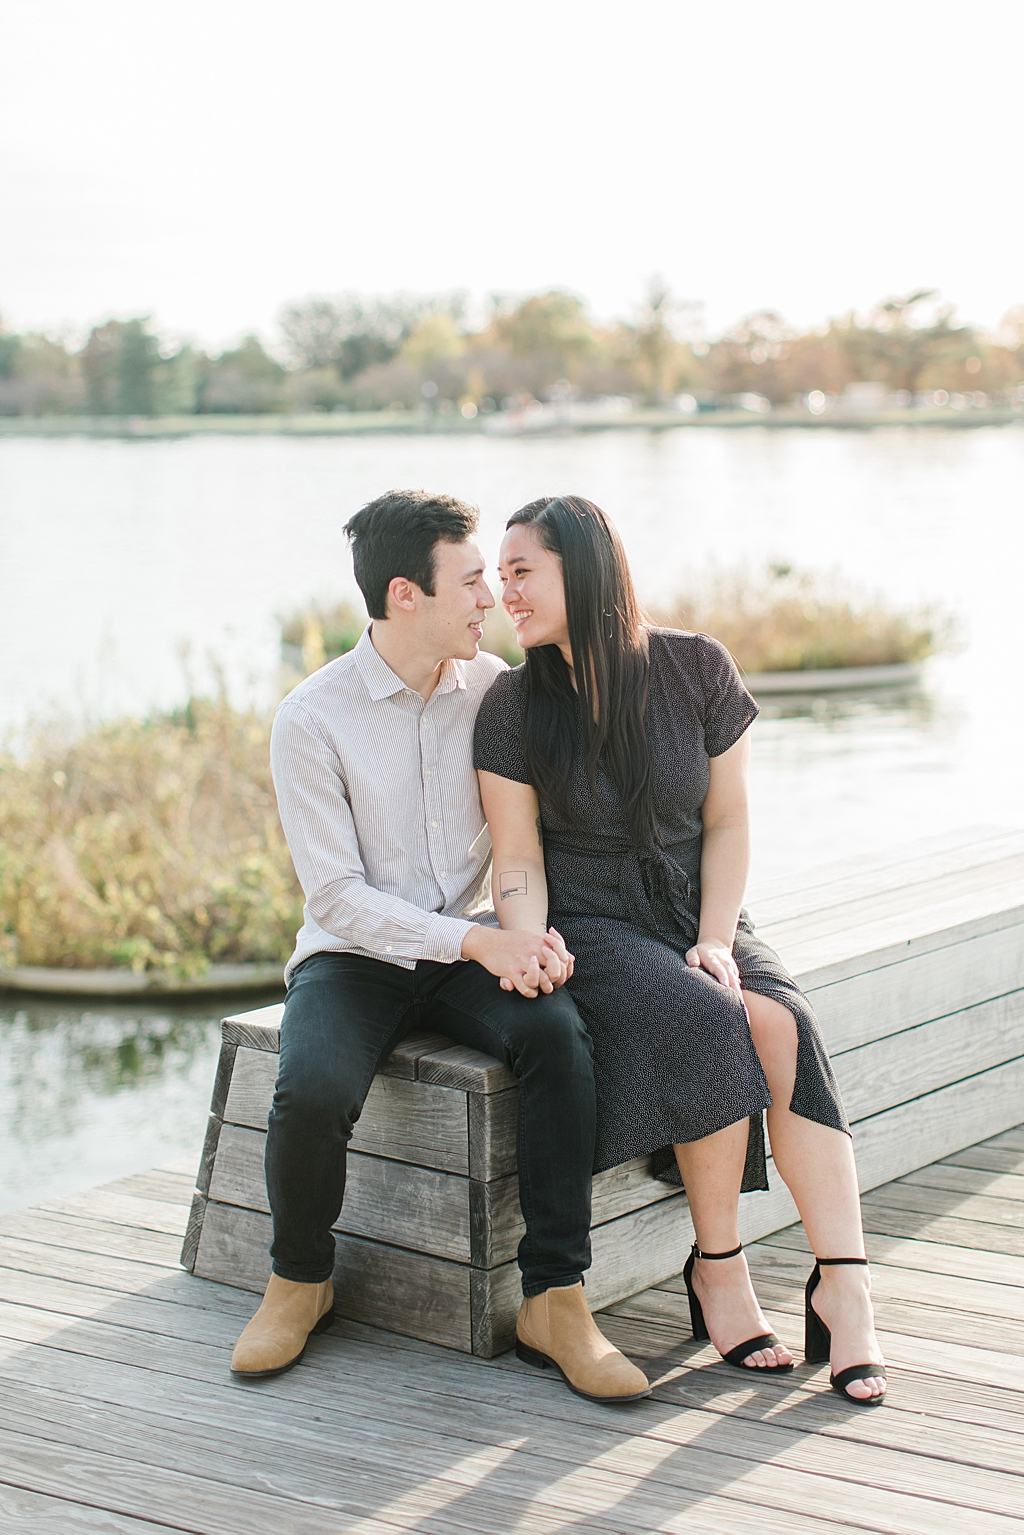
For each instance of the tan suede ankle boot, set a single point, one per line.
(557, 1328)
(276, 1337)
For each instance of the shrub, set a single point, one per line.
(152, 844)
(785, 620)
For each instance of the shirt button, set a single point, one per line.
(387, 948)
(430, 772)
(443, 874)
(433, 823)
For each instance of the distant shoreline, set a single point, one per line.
(557, 422)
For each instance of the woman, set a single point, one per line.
(613, 771)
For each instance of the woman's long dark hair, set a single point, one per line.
(609, 662)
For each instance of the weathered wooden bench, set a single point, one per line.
(914, 961)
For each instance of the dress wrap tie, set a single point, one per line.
(655, 891)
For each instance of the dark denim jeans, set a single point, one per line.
(344, 1014)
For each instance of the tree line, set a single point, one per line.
(429, 353)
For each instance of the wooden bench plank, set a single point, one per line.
(401, 1118)
(906, 868)
(899, 996)
(466, 1070)
(901, 1067)
(886, 863)
(818, 961)
(415, 1207)
(902, 906)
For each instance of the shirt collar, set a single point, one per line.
(382, 682)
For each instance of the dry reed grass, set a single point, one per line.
(784, 620)
(156, 844)
(150, 844)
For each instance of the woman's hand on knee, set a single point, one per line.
(715, 956)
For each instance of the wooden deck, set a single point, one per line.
(117, 1412)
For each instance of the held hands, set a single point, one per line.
(529, 963)
(714, 956)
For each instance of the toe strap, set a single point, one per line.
(742, 1350)
(857, 1372)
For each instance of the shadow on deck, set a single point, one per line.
(119, 1415)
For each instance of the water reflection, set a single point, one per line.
(910, 706)
(90, 1092)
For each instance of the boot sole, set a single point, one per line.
(326, 1321)
(533, 1356)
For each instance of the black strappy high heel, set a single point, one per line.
(736, 1355)
(818, 1342)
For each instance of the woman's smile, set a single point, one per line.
(533, 595)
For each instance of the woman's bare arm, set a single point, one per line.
(725, 861)
(518, 883)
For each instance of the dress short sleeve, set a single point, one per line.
(498, 737)
(729, 708)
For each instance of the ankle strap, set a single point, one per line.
(735, 1253)
(826, 1262)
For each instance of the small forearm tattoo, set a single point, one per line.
(540, 833)
(512, 884)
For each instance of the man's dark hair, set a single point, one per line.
(396, 536)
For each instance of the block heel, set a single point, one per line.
(818, 1342)
(530, 1355)
(736, 1355)
(327, 1320)
(816, 1335)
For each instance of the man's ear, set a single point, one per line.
(403, 594)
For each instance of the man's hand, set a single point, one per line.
(529, 963)
(714, 956)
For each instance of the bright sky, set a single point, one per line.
(207, 160)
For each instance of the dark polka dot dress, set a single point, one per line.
(673, 1054)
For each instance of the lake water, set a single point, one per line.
(118, 558)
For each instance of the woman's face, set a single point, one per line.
(533, 591)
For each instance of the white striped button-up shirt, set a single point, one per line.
(381, 808)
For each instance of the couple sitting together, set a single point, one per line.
(596, 795)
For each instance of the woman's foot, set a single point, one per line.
(843, 1302)
(731, 1311)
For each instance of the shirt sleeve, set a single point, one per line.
(321, 834)
(728, 707)
(498, 738)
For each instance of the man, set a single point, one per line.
(372, 763)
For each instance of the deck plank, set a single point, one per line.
(34, 1513)
(313, 1470)
(119, 1414)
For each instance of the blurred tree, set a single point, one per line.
(904, 337)
(315, 389)
(245, 380)
(10, 345)
(751, 357)
(179, 380)
(551, 329)
(434, 339)
(350, 333)
(664, 363)
(38, 376)
(120, 362)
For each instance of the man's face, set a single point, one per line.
(454, 616)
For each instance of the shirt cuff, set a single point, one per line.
(444, 938)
